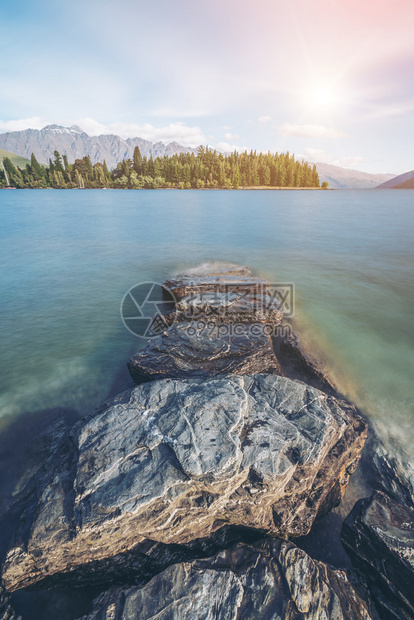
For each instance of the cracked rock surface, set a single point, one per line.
(272, 580)
(193, 350)
(378, 535)
(222, 292)
(172, 461)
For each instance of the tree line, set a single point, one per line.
(206, 169)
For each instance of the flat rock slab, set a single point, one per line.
(172, 461)
(273, 580)
(188, 350)
(185, 285)
(232, 307)
(378, 535)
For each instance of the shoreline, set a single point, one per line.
(201, 189)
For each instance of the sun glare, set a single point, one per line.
(323, 97)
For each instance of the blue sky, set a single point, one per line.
(331, 82)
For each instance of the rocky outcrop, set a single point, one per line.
(172, 461)
(6, 611)
(216, 277)
(378, 535)
(269, 581)
(299, 364)
(223, 293)
(393, 473)
(201, 351)
(228, 306)
(215, 328)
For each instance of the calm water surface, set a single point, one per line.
(68, 257)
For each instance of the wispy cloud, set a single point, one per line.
(174, 132)
(231, 136)
(23, 123)
(264, 119)
(225, 147)
(321, 156)
(311, 131)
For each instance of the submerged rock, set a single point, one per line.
(6, 611)
(173, 461)
(215, 268)
(272, 580)
(194, 350)
(379, 538)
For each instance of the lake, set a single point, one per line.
(68, 257)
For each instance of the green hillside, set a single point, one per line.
(16, 159)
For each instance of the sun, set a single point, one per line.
(323, 97)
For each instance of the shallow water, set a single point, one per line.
(68, 257)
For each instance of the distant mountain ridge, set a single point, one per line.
(76, 143)
(402, 181)
(345, 178)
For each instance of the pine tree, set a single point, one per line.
(137, 159)
(57, 163)
(38, 171)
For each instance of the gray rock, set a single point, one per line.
(272, 580)
(297, 363)
(194, 350)
(223, 292)
(173, 461)
(378, 535)
(220, 307)
(393, 472)
(187, 285)
(6, 610)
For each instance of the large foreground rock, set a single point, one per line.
(173, 461)
(190, 350)
(379, 537)
(273, 580)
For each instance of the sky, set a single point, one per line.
(328, 81)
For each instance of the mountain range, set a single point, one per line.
(402, 181)
(76, 143)
(345, 178)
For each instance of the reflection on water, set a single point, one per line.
(68, 258)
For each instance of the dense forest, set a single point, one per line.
(208, 169)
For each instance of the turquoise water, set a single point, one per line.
(68, 257)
